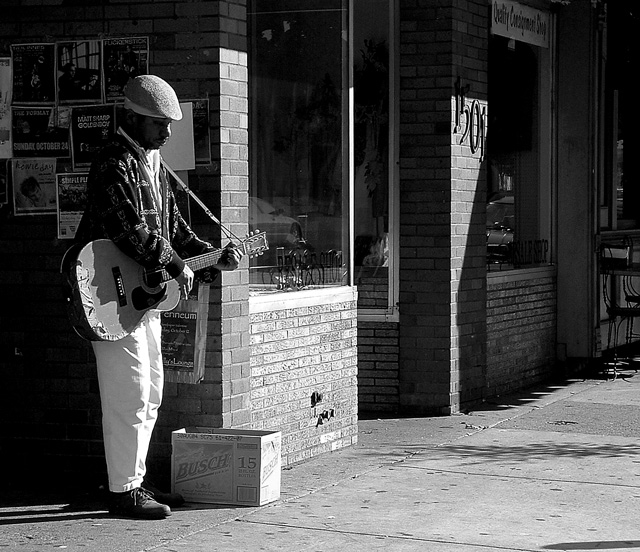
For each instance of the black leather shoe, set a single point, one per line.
(174, 500)
(138, 504)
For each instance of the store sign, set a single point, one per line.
(523, 23)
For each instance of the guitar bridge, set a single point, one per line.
(119, 282)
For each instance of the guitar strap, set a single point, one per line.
(186, 188)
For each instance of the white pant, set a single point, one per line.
(131, 378)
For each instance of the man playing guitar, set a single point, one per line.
(131, 203)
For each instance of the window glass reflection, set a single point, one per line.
(517, 224)
(371, 81)
(298, 126)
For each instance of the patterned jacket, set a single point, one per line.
(121, 207)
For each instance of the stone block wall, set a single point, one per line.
(304, 373)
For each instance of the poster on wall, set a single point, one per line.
(34, 186)
(184, 332)
(33, 73)
(39, 131)
(124, 58)
(91, 128)
(5, 107)
(79, 71)
(71, 194)
(4, 181)
(201, 136)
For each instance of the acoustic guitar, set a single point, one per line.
(108, 293)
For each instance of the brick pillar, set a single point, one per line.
(227, 370)
(442, 206)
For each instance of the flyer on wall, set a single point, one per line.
(40, 131)
(34, 186)
(72, 201)
(184, 331)
(33, 73)
(91, 128)
(79, 71)
(5, 108)
(124, 58)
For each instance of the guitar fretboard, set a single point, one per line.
(205, 260)
(253, 245)
(194, 263)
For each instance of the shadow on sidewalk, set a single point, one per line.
(595, 545)
(494, 404)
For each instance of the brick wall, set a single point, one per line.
(378, 359)
(50, 408)
(521, 330)
(302, 344)
(442, 199)
(521, 343)
(373, 287)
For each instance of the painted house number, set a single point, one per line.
(470, 120)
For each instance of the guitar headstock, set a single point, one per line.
(255, 243)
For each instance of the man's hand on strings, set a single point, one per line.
(185, 282)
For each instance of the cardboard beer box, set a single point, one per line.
(226, 466)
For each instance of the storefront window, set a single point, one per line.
(299, 129)
(372, 78)
(519, 149)
(621, 194)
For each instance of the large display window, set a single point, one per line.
(621, 193)
(299, 136)
(375, 146)
(519, 210)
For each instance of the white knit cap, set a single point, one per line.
(151, 96)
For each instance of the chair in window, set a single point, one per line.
(614, 259)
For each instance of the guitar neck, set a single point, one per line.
(196, 263)
(205, 260)
(254, 244)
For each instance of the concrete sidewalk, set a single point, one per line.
(554, 469)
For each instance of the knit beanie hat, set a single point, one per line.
(151, 96)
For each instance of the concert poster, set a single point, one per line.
(124, 58)
(34, 186)
(4, 181)
(5, 108)
(71, 194)
(201, 136)
(40, 131)
(91, 127)
(184, 332)
(33, 73)
(79, 72)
